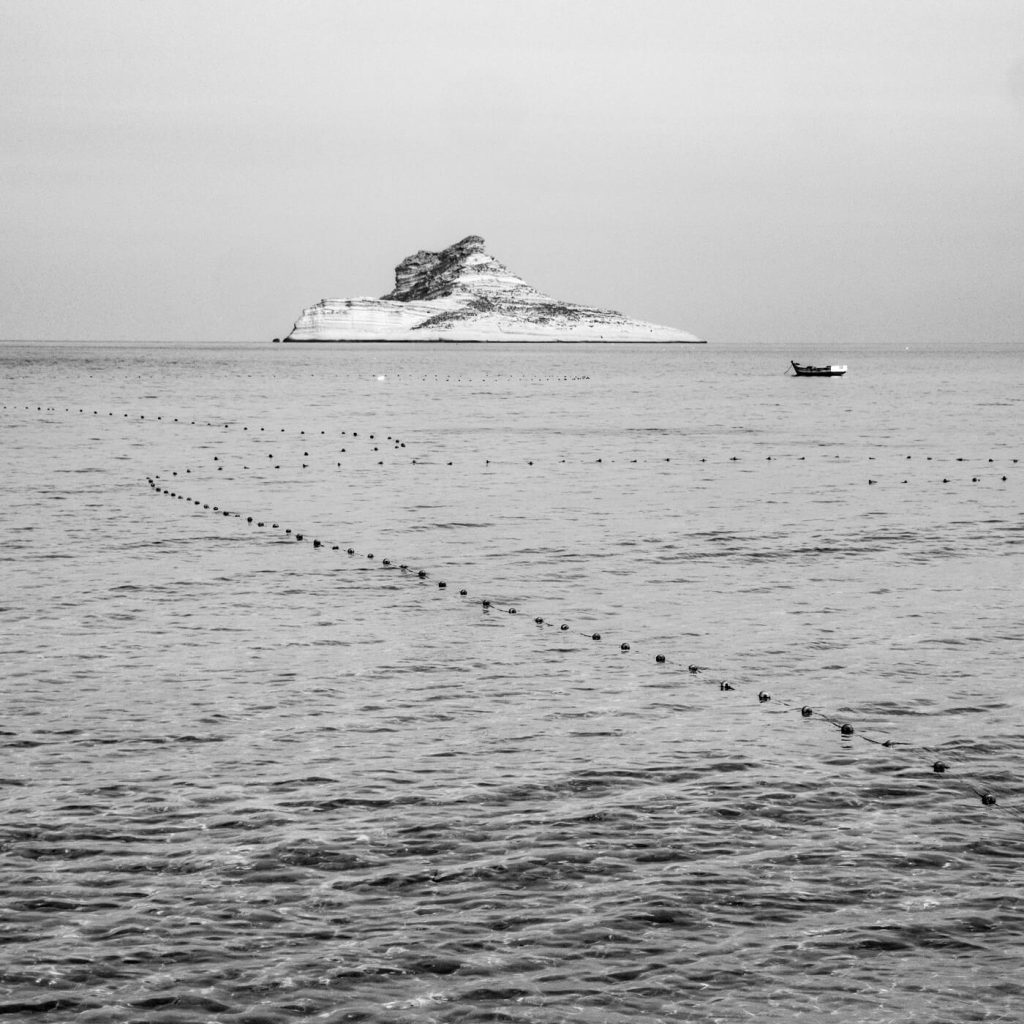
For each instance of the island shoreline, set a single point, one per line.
(486, 341)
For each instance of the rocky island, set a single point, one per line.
(462, 294)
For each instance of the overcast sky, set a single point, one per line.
(747, 170)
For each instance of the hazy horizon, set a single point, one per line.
(744, 171)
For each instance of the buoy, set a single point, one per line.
(846, 729)
(441, 584)
(806, 711)
(763, 697)
(939, 767)
(988, 799)
(623, 647)
(659, 658)
(463, 592)
(563, 626)
(512, 611)
(595, 636)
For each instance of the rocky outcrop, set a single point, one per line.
(463, 294)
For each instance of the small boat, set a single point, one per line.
(817, 371)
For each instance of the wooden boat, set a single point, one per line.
(817, 371)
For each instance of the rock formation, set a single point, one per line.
(462, 294)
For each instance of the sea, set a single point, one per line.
(608, 684)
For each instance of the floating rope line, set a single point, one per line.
(984, 794)
(846, 729)
(398, 444)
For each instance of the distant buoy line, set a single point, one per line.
(627, 647)
(372, 441)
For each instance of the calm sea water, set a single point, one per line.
(253, 778)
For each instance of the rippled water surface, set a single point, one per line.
(249, 775)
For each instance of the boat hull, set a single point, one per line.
(817, 371)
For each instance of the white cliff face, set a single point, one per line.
(463, 294)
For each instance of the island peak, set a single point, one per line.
(464, 294)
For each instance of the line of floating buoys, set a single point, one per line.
(208, 423)
(845, 728)
(976, 478)
(488, 462)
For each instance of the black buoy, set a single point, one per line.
(623, 647)
(988, 799)
(846, 729)
(660, 658)
(563, 626)
(806, 711)
(763, 697)
(512, 611)
(595, 636)
(441, 585)
(463, 593)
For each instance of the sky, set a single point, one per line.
(747, 170)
